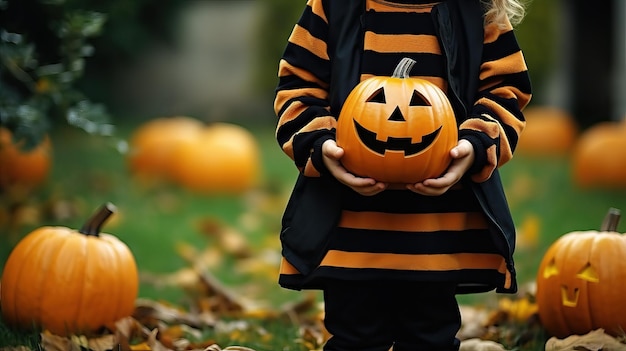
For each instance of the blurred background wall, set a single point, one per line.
(217, 59)
(207, 69)
(222, 59)
(593, 43)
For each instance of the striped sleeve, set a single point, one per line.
(301, 102)
(496, 120)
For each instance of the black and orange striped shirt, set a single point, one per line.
(399, 233)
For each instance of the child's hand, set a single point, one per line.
(364, 186)
(462, 158)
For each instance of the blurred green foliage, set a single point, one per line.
(43, 47)
(277, 19)
(132, 29)
(538, 36)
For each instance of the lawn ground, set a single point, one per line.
(163, 224)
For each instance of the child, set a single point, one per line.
(391, 260)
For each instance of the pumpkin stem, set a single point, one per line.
(95, 223)
(611, 220)
(403, 68)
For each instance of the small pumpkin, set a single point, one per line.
(599, 157)
(581, 282)
(25, 169)
(220, 158)
(397, 129)
(67, 281)
(549, 131)
(152, 144)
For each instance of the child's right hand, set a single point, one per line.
(332, 155)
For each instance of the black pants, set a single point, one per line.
(373, 316)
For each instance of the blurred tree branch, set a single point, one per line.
(43, 47)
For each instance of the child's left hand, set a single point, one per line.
(462, 158)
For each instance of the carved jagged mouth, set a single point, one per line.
(569, 299)
(394, 144)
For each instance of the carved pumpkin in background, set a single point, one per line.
(397, 129)
(67, 281)
(581, 282)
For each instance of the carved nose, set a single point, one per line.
(397, 115)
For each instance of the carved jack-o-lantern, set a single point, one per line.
(397, 129)
(581, 282)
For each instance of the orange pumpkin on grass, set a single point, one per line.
(581, 282)
(221, 158)
(549, 131)
(67, 281)
(152, 145)
(21, 168)
(208, 158)
(599, 157)
(397, 129)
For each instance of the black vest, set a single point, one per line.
(314, 206)
(460, 28)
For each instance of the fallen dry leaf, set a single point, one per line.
(208, 293)
(140, 347)
(127, 329)
(51, 342)
(215, 347)
(475, 321)
(154, 343)
(102, 343)
(217, 297)
(265, 264)
(312, 337)
(209, 258)
(175, 337)
(593, 341)
(528, 233)
(228, 238)
(476, 344)
(149, 310)
(514, 310)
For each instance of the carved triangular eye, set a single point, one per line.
(378, 97)
(589, 274)
(551, 269)
(418, 100)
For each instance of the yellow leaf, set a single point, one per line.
(528, 232)
(519, 310)
(141, 347)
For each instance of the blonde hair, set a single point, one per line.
(499, 11)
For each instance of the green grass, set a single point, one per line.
(88, 171)
(153, 218)
(543, 188)
(11, 337)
